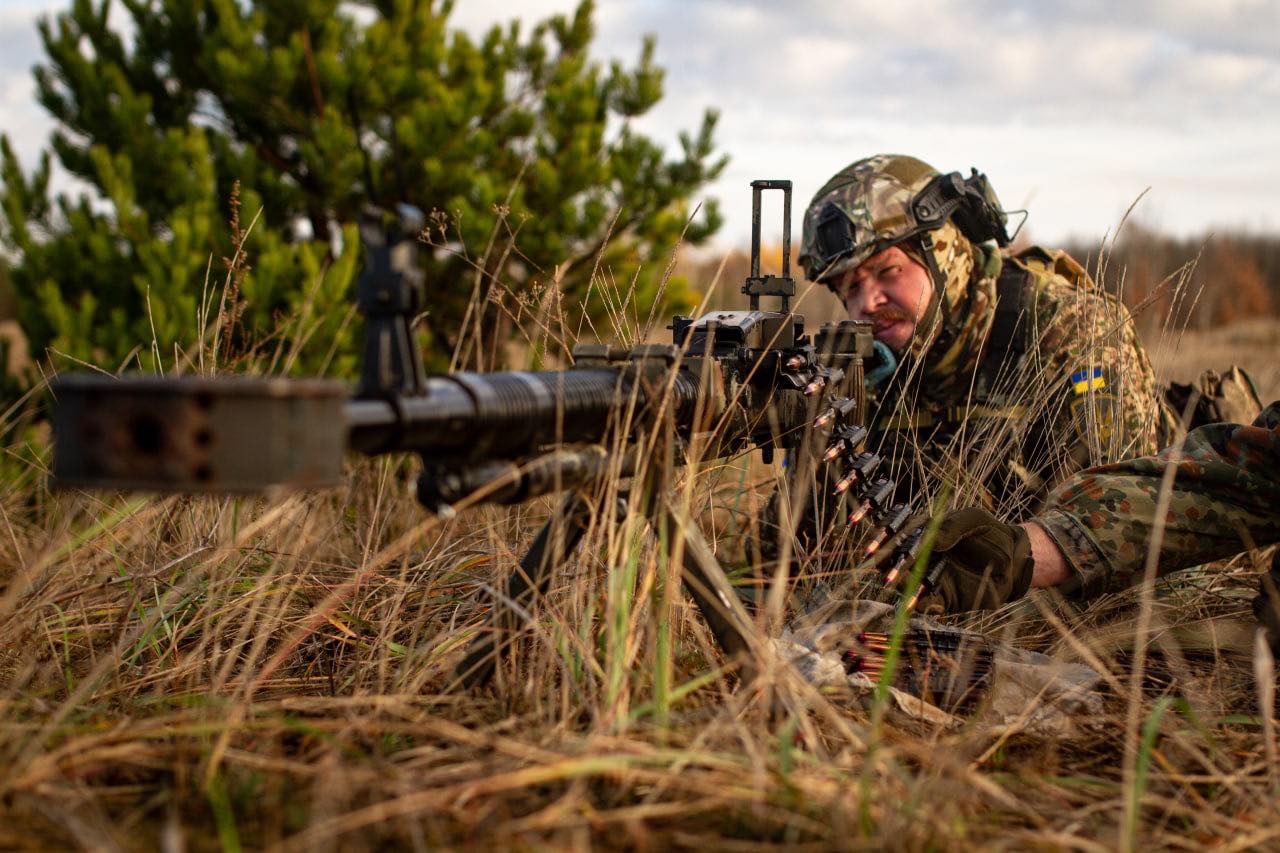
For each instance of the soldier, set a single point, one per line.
(1223, 498)
(1014, 369)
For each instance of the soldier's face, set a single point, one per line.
(891, 292)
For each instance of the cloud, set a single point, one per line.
(21, 118)
(881, 62)
(1076, 106)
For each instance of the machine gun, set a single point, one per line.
(729, 381)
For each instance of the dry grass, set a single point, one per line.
(244, 673)
(1253, 345)
(208, 673)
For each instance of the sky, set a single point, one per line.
(1072, 108)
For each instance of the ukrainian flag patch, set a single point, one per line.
(1089, 379)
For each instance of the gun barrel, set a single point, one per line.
(219, 434)
(470, 417)
(237, 434)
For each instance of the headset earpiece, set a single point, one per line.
(969, 202)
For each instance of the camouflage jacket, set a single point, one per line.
(1079, 392)
(1224, 498)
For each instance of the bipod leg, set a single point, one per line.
(712, 591)
(553, 545)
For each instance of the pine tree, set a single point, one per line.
(232, 145)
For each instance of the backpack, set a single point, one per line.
(1227, 397)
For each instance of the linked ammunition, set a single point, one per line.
(898, 515)
(905, 554)
(840, 407)
(876, 496)
(949, 668)
(927, 583)
(865, 464)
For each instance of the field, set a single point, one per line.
(199, 673)
(1253, 344)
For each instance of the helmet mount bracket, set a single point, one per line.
(969, 202)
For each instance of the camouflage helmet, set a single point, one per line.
(864, 208)
(883, 200)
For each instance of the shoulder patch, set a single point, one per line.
(1095, 409)
(1089, 379)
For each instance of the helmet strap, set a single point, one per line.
(938, 310)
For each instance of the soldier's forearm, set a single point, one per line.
(1051, 568)
(1222, 500)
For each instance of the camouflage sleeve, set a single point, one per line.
(1101, 402)
(1225, 499)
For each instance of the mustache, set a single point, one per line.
(891, 314)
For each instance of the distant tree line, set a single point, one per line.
(1198, 283)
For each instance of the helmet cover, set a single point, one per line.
(864, 208)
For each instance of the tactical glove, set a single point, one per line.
(1266, 607)
(987, 563)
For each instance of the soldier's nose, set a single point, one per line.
(866, 300)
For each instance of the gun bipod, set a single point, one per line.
(551, 548)
(703, 576)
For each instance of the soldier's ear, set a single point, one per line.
(932, 288)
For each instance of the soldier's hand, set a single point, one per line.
(987, 563)
(1266, 607)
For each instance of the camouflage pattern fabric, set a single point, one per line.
(875, 194)
(1224, 499)
(1003, 444)
(965, 311)
(1083, 393)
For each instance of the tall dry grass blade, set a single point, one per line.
(1141, 633)
(1264, 674)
